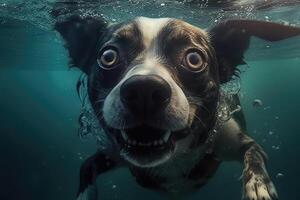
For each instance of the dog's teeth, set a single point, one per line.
(163, 140)
(124, 135)
(153, 143)
(167, 135)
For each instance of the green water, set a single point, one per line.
(41, 152)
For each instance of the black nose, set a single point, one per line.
(145, 94)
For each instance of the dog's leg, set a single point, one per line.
(257, 184)
(90, 169)
(233, 144)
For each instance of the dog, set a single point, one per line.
(154, 85)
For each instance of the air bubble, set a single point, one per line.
(89, 126)
(275, 147)
(279, 175)
(257, 103)
(267, 107)
(271, 132)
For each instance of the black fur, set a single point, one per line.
(81, 35)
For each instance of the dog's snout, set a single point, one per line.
(145, 94)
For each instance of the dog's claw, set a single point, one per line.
(258, 189)
(90, 193)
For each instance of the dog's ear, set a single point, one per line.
(231, 39)
(81, 36)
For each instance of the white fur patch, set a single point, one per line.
(150, 27)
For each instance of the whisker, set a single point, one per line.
(194, 100)
(99, 101)
(123, 124)
(198, 118)
(98, 114)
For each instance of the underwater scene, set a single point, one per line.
(49, 124)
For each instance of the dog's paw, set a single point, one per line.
(90, 193)
(259, 187)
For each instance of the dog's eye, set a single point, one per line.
(108, 59)
(194, 61)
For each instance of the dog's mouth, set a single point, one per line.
(145, 146)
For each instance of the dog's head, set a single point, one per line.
(154, 83)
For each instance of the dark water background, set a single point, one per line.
(40, 151)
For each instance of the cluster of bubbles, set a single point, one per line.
(271, 136)
(228, 92)
(204, 12)
(89, 126)
(227, 107)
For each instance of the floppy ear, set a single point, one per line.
(81, 35)
(231, 39)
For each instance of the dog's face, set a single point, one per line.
(154, 83)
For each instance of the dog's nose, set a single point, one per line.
(145, 94)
